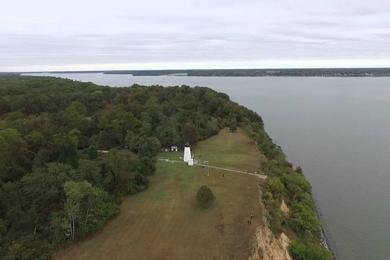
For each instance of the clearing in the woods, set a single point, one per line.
(164, 221)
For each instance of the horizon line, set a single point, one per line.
(196, 69)
(207, 65)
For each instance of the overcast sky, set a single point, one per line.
(173, 34)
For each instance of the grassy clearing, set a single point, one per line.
(164, 221)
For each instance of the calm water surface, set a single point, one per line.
(337, 129)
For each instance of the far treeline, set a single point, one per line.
(70, 151)
(320, 72)
(325, 72)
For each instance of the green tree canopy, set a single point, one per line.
(190, 134)
(205, 197)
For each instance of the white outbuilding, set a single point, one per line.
(191, 162)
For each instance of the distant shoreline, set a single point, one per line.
(175, 76)
(319, 72)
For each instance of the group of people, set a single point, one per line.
(251, 216)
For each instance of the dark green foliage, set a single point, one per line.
(66, 145)
(304, 221)
(275, 216)
(205, 197)
(147, 166)
(28, 248)
(14, 155)
(92, 152)
(296, 185)
(190, 134)
(90, 171)
(233, 125)
(123, 176)
(148, 146)
(168, 134)
(275, 187)
(87, 208)
(300, 251)
(276, 221)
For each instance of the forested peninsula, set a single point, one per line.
(71, 151)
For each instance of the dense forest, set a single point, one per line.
(59, 183)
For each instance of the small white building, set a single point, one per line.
(174, 149)
(191, 162)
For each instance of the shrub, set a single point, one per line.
(275, 219)
(233, 125)
(275, 186)
(300, 251)
(92, 152)
(205, 197)
(303, 220)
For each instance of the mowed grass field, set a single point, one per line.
(164, 222)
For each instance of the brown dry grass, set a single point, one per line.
(164, 221)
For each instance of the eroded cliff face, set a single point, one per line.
(267, 246)
(283, 207)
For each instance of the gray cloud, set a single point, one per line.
(45, 34)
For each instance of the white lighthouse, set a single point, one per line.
(187, 154)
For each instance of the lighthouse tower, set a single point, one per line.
(187, 153)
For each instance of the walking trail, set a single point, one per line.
(261, 176)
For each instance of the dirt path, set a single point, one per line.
(261, 176)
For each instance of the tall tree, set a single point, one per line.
(14, 155)
(190, 134)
